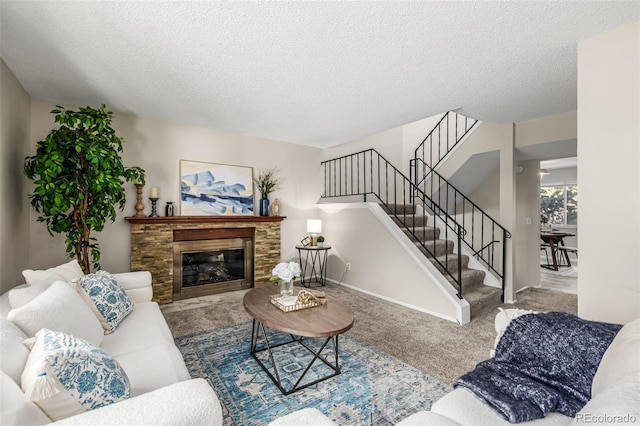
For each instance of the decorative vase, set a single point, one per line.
(286, 288)
(276, 208)
(264, 206)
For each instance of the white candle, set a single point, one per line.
(153, 192)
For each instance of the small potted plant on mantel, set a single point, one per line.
(320, 241)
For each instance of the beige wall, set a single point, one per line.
(157, 146)
(557, 127)
(380, 264)
(526, 240)
(14, 205)
(608, 175)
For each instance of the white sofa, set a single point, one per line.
(162, 391)
(615, 391)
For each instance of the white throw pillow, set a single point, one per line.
(21, 296)
(13, 354)
(66, 272)
(14, 410)
(107, 299)
(58, 308)
(621, 358)
(65, 376)
(502, 321)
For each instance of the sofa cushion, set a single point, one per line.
(58, 308)
(13, 354)
(153, 367)
(14, 409)
(618, 403)
(106, 298)
(21, 296)
(65, 272)
(142, 328)
(422, 418)
(66, 375)
(621, 358)
(462, 406)
(191, 403)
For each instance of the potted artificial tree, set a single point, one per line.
(79, 176)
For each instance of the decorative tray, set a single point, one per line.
(291, 303)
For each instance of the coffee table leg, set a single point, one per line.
(258, 328)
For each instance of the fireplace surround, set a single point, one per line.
(153, 238)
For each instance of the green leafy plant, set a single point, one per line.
(320, 239)
(78, 176)
(267, 182)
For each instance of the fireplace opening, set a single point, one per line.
(212, 266)
(203, 267)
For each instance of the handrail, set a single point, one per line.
(446, 138)
(367, 172)
(439, 189)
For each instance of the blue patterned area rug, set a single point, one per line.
(373, 389)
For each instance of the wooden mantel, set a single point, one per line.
(152, 245)
(201, 219)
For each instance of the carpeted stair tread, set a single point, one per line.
(481, 298)
(410, 220)
(440, 247)
(423, 232)
(451, 260)
(471, 278)
(399, 208)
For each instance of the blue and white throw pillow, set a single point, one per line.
(108, 300)
(65, 376)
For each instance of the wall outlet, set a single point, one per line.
(347, 267)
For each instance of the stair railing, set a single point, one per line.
(368, 173)
(482, 232)
(444, 137)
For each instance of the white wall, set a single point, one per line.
(14, 204)
(608, 175)
(157, 146)
(380, 264)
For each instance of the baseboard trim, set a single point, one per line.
(397, 302)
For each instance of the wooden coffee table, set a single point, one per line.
(329, 320)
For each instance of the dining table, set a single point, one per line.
(555, 239)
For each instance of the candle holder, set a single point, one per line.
(154, 211)
(139, 206)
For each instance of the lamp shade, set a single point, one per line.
(314, 226)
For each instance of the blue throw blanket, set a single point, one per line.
(543, 363)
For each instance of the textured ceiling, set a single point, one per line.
(313, 73)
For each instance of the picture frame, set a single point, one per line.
(306, 241)
(215, 189)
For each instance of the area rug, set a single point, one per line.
(373, 389)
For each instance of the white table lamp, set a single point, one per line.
(314, 227)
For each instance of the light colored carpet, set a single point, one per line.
(441, 349)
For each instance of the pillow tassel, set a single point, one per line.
(44, 386)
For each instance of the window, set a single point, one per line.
(559, 204)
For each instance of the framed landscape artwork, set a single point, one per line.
(211, 189)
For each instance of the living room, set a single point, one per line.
(605, 109)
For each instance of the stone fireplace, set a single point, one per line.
(191, 256)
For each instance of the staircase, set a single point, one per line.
(479, 296)
(435, 215)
